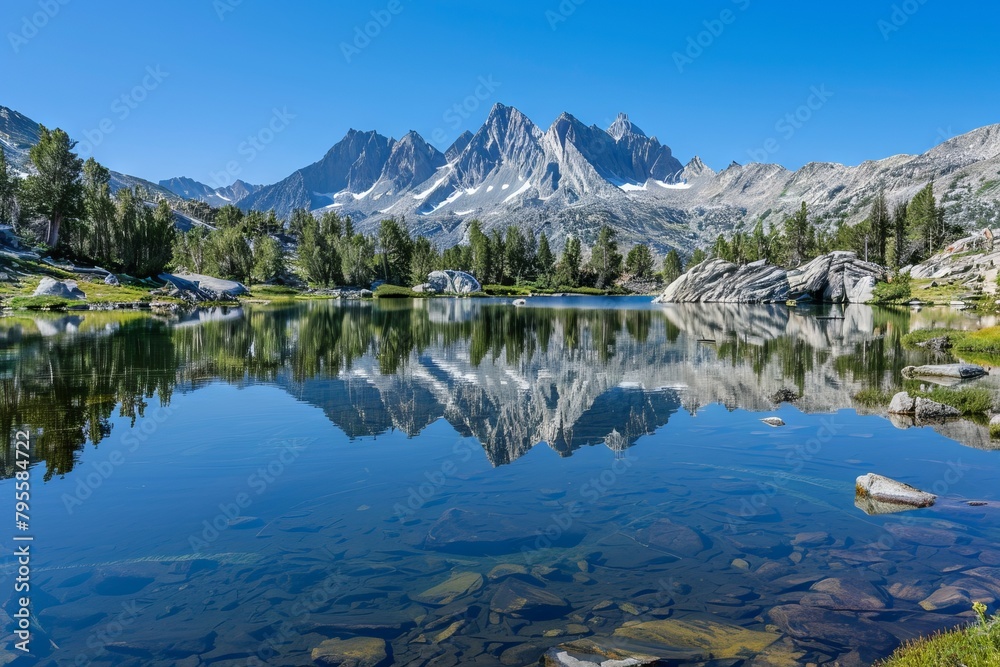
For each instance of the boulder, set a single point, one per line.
(64, 289)
(196, 287)
(423, 288)
(453, 282)
(884, 489)
(902, 404)
(956, 371)
(832, 278)
(839, 277)
(929, 411)
(774, 422)
(112, 280)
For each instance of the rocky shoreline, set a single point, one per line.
(839, 277)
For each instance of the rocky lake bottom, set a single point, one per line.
(451, 482)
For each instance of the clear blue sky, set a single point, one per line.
(901, 86)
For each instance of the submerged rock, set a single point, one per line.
(713, 639)
(957, 371)
(458, 585)
(520, 599)
(354, 652)
(881, 489)
(487, 534)
(673, 538)
(845, 594)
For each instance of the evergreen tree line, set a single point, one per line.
(907, 234)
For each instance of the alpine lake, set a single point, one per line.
(463, 482)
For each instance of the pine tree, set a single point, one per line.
(99, 212)
(926, 221)
(425, 259)
(319, 254)
(499, 268)
(880, 226)
(800, 237)
(639, 261)
(268, 259)
(482, 257)
(545, 261)
(697, 257)
(54, 192)
(605, 260)
(568, 272)
(516, 260)
(899, 254)
(357, 254)
(722, 249)
(394, 247)
(8, 193)
(672, 269)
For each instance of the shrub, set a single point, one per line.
(895, 291)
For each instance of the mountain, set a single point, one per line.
(189, 188)
(18, 134)
(573, 177)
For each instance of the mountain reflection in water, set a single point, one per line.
(433, 480)
(510, 377)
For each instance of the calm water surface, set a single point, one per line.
(473, 483)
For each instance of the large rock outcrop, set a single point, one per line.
(839, 277)
(452, 282)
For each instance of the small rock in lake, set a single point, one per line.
(774, 422)
(957, 371)
(883, 490)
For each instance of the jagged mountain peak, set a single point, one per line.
(623, 127)
(696, 169)
(458, 146)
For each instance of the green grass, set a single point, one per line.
(943, 293)
(919, 336)
(873, 398)
(967, 400)
(975, 646)
(396, 292)
(41, 303)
